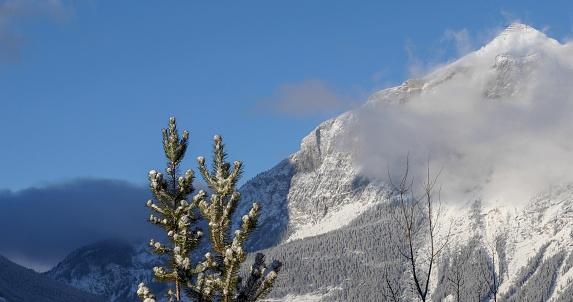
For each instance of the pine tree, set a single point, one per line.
(172, 212)
(217, 277)
(220, 277)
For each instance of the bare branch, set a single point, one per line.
(414, 212)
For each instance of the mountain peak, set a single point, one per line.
(519, 29)
(519, 39)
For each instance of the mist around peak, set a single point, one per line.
(500, 124)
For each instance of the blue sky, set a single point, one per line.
(87, 86)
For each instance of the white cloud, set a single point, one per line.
(508, 148)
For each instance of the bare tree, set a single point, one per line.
(419, 221)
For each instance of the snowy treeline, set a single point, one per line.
(354, 263)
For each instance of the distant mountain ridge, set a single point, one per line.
(110, 268)
(19, 284)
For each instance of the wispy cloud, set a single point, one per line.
(462, 40)
(510, 18)
(13, 13)
(452, 45)
(309, 97)
(416, 68)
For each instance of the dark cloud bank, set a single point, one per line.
(42, 225)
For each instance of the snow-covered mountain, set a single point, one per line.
(327, 183)
(498, 122)
(340, 171)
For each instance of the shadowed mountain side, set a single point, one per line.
(19, 284)
(270, 189)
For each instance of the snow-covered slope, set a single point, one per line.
(314, 191)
